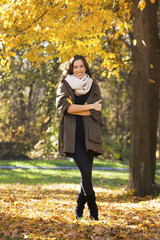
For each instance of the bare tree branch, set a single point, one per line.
(20, 31)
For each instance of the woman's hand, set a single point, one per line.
(98, 105)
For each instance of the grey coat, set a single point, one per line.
(67, 128)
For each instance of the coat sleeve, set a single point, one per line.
(63, 99)
(97, 96)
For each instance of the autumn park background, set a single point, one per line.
(121, 41)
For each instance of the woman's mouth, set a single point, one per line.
(79, 74)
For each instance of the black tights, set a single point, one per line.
(84, 161)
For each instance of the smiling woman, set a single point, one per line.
(79, 101)
(79, 69)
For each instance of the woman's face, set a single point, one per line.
(79, 69)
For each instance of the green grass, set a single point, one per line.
(109, 179)
(62, 162)
(66, 162)
(33, 176)
(38, 176)
(158, 164)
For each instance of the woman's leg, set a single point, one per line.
(90, 155)
(84, 162)
(81, 201)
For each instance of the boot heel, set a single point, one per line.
(91, 201)
(81, 200)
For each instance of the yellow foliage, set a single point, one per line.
(69, 100)
(8, 66)
(3, 62)
(68, 28)
(151, 81)
(103, 74)
(117, 74)
(47, 212)
(142, 4)
(134, 42)
(13, 54)
(109, 74)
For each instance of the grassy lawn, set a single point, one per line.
(108, 179)
(67, 162)
(62, 162)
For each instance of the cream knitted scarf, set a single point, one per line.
(80, 86)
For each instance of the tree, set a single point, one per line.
(65, 27)
(154, 83)
(145, 96)
(27, 100)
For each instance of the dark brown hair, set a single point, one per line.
(69, 68)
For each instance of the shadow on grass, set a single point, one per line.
(62, 163)
(35, 176)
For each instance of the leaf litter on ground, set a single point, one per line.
(47, 212)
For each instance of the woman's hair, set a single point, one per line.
(69, 68)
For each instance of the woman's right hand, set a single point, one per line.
(97, 105)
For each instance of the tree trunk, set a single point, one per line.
(154, 84)
(140, 168)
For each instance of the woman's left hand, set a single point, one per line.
(98, 105)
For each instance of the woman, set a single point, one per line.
(79, 100)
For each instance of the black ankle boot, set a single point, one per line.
(81, 200)
(91, 201)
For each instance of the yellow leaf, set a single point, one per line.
(151, 81)
(13, 54)
(69, 100)
(6, 50)
(134, 42)
(126, 25)
(143, 42)
(30, 42)
(109, 74)
(116, 35)
(142, 4)
(103, 74)
(8, 66)
(3, 62)
(152, 1)
(17, 133)
(46, 120)
(121, 27)
(117, 74)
